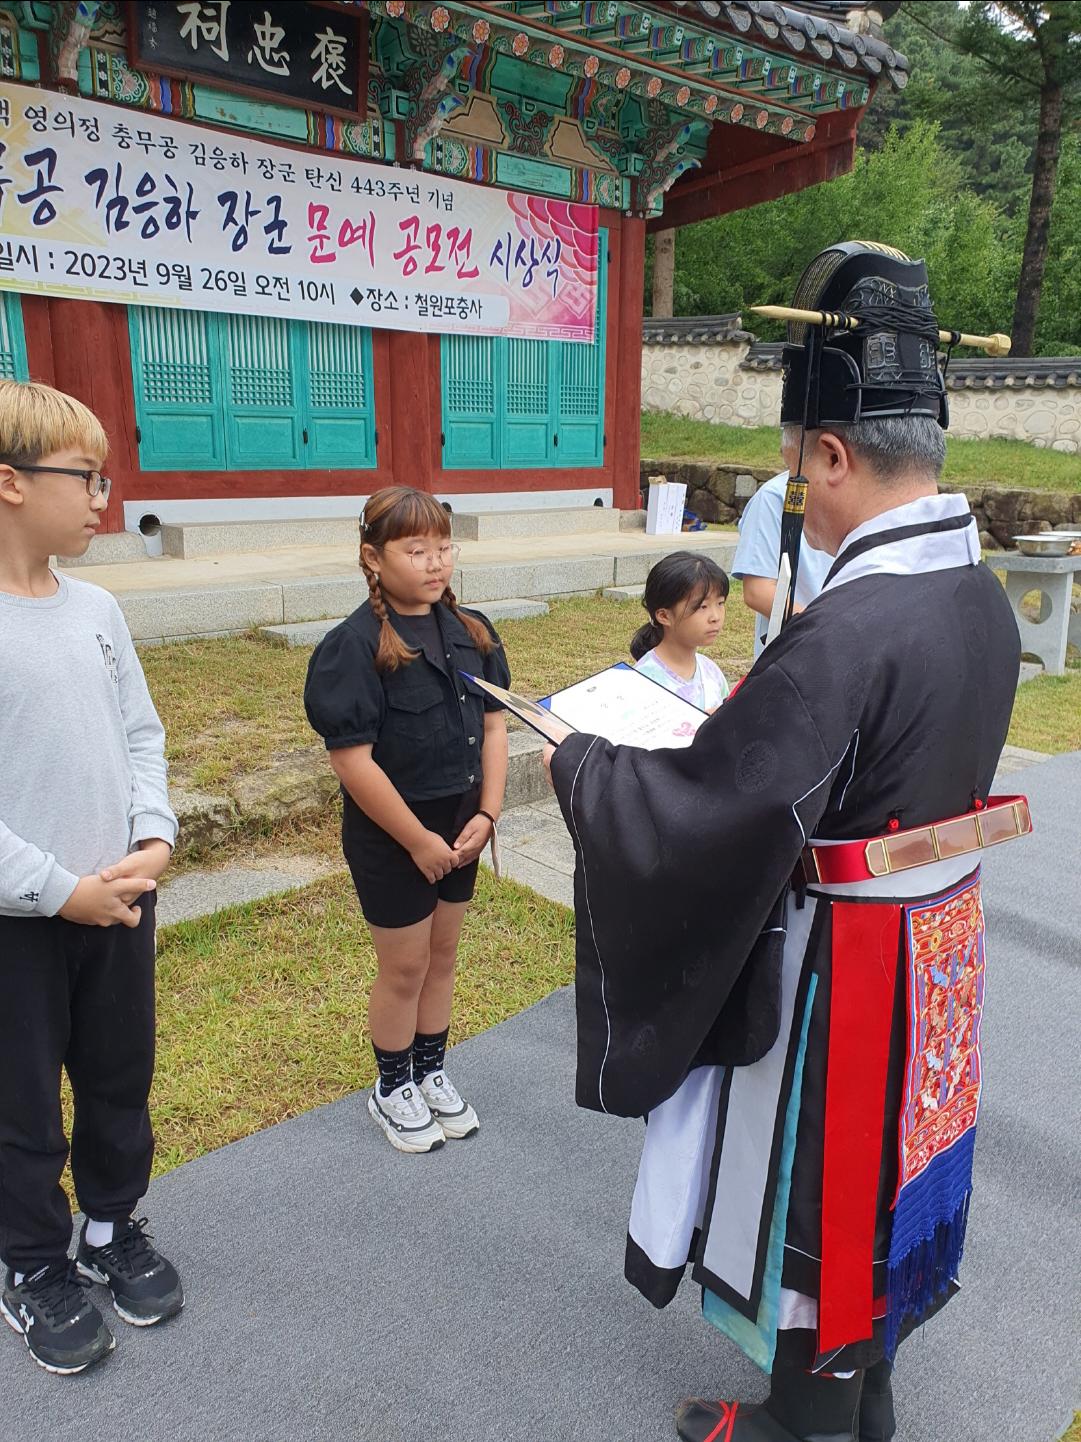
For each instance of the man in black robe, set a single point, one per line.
(798, 1019)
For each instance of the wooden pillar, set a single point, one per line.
(628, 401)
(92, 361)
(414, 425)
(664, 272)
(37, 329)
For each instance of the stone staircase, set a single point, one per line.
(224, 578)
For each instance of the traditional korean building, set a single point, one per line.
(593, 119)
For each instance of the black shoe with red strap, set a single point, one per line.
(801, 1407)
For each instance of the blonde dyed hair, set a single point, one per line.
(37, 421)
(390, 515)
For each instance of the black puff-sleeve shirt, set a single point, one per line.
(425, 721)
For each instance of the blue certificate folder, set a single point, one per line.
(619, 703)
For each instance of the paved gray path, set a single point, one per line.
(339, 1292)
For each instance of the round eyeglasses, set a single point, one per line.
(96, 484)
(428, 558)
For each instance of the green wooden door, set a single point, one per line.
(175, 364)
(264, 429)
(472, 377)
(246, 392)
(514, 404)
(580, 416)
(528, 438)
(340, 422)
(13, 364)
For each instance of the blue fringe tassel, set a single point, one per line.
(928, 1237)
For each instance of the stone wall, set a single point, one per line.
(707, 382)
(720, 492)
(708, 369)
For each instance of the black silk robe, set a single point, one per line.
(890, 696)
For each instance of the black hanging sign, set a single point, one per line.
(302, 54)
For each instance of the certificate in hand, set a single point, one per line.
(620, 704)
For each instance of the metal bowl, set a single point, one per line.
(1048, 543)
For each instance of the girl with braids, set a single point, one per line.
(421, 755)
(685, 596)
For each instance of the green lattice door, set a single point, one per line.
(340, 430)
(13, 365)
(580, 423)
(528, 435)
(175, 365)
(225, 392)
(511, 403)
(263, 427)
(471, 384)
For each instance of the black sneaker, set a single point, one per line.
(63, 1329)
(145, 1287)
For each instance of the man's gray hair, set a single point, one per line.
(893, 446)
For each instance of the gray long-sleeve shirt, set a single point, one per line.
(82, 773)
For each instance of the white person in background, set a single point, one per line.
(758, 554)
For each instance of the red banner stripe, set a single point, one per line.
(864, 972)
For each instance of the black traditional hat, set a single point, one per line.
(884, 365)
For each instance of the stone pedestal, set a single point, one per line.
(1054, 577)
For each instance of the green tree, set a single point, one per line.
(1031, 51)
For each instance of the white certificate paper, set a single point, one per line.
(620, 704)
(629, 709)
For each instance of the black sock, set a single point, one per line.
(428, 1053)
(395, 1068)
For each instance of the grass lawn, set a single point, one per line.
(1012, 464)
(261, 1008)
(230, 705)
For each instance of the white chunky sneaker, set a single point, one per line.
(456, 1117)
(405, 1118)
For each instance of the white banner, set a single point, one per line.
(103, 203)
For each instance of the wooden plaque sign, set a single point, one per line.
(302, 54)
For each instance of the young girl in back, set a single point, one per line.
(421, 755)
(685, 596)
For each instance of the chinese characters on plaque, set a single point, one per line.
(308, 54)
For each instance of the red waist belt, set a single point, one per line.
(1002, 819)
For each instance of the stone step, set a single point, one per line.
(211, 538)
(178, 613)
(310, 633)
(571, 521)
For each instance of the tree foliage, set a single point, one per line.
(944, 171)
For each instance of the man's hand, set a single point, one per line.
(96, 902)
(149, 861)
(474, 838)
(433, 857)
(546, 757)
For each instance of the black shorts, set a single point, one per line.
(391, 888)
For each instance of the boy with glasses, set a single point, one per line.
(85, 831)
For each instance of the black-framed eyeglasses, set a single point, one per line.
(96, 484)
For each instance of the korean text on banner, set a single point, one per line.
(98, 203)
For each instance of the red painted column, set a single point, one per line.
(414, 425)
(92, 361)
(628, 369)
(39, 338)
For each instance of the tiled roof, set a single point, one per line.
(965, 372)
(810, 30)
(692, 330)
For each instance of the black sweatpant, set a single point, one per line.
(79, 998)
